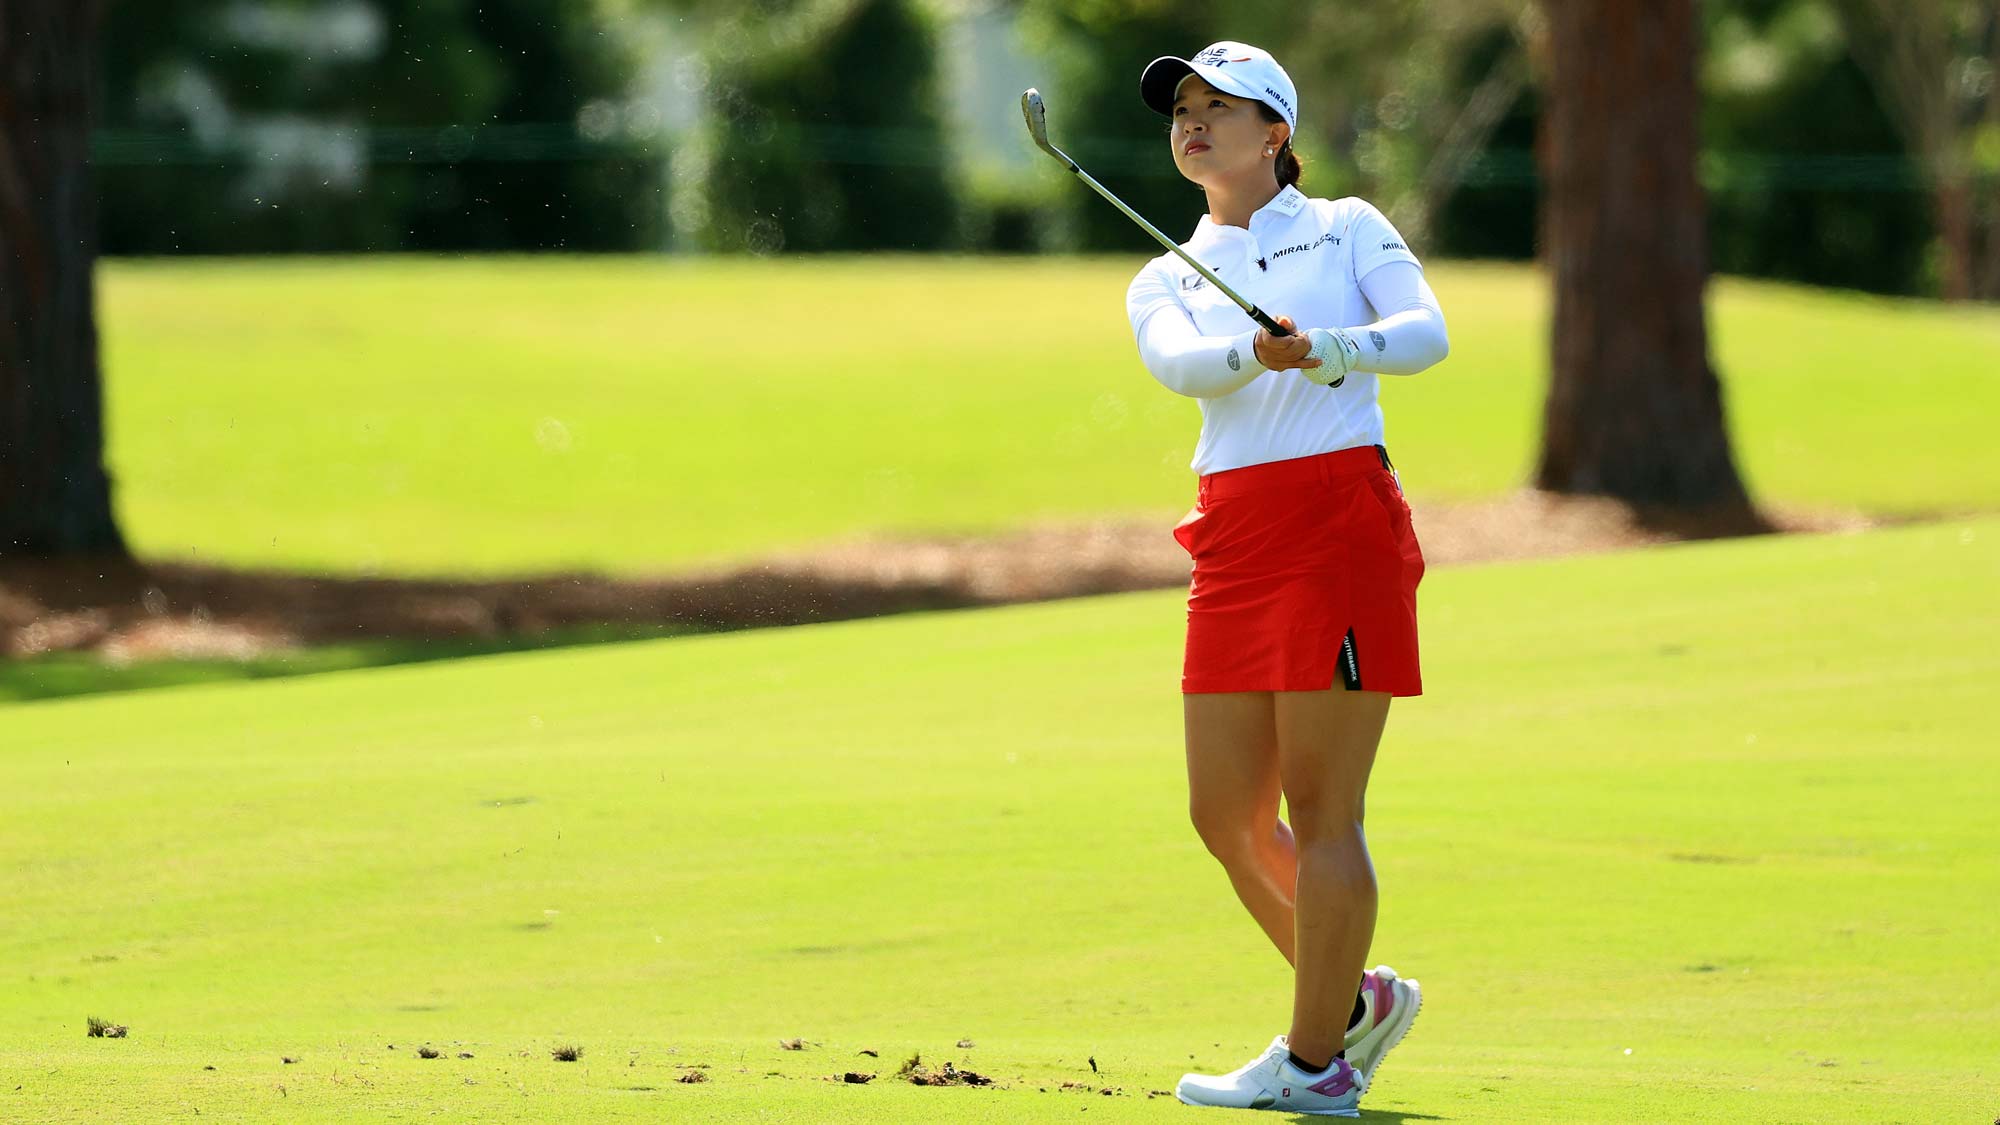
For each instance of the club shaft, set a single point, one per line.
(1259, 315)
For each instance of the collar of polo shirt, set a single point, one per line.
(1285, 205)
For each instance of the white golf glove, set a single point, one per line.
(1337, 354)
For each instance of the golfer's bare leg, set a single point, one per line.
(1233, 790)
(1326, 748)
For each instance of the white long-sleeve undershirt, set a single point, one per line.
(1409, 337)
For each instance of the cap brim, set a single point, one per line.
(1161, 81)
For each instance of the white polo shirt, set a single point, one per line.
(1303, 258)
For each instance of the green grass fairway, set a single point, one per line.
(637, 414)
(1701, 833)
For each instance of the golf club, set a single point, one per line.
(1038, 128)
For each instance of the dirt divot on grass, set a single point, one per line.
(916, 1073)
(1092, 1088)
(126, 611)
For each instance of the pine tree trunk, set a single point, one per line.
(1633, 411)
(55, 496)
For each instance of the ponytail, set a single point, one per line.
(1286, 165)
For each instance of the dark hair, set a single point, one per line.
(1287, 163)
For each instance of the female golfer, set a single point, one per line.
(1302, 612)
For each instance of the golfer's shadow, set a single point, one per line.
(1390, 1116)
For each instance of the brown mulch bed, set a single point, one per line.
(128, 611)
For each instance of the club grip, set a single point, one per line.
(1270, 325)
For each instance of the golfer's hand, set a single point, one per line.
(1337, 348)
(1277, 353)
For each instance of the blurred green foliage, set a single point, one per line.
(1097, 51)
(829, 125)
(273, 104)
(824, 133)
(1778, 78)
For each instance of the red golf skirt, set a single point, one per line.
(1305, 578)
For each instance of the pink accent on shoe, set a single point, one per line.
(1385, 997)
(1339, 1082)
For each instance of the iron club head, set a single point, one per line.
(1038, 122)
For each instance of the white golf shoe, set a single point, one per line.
(1391, 1005)
(1270, 1081)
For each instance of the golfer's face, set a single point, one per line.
(1215, 135)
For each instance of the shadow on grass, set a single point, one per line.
(63, 674)
(77, 626)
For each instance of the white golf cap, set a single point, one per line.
(1233, 68)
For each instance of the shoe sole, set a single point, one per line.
(1399, 1027)
(1308, 1112)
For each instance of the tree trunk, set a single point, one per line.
(1633, 411)
(55, 496)
(1951, 200)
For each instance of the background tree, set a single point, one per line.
(55, 496)
(1634, 410)
(1936, 64)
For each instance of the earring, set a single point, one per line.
(1270, 152)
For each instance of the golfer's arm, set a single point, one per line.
(1189, 363)
(1410, 336)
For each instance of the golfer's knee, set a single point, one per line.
(1329, 827)
(1317, 820)
(1339, 861)
(1230, 839)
